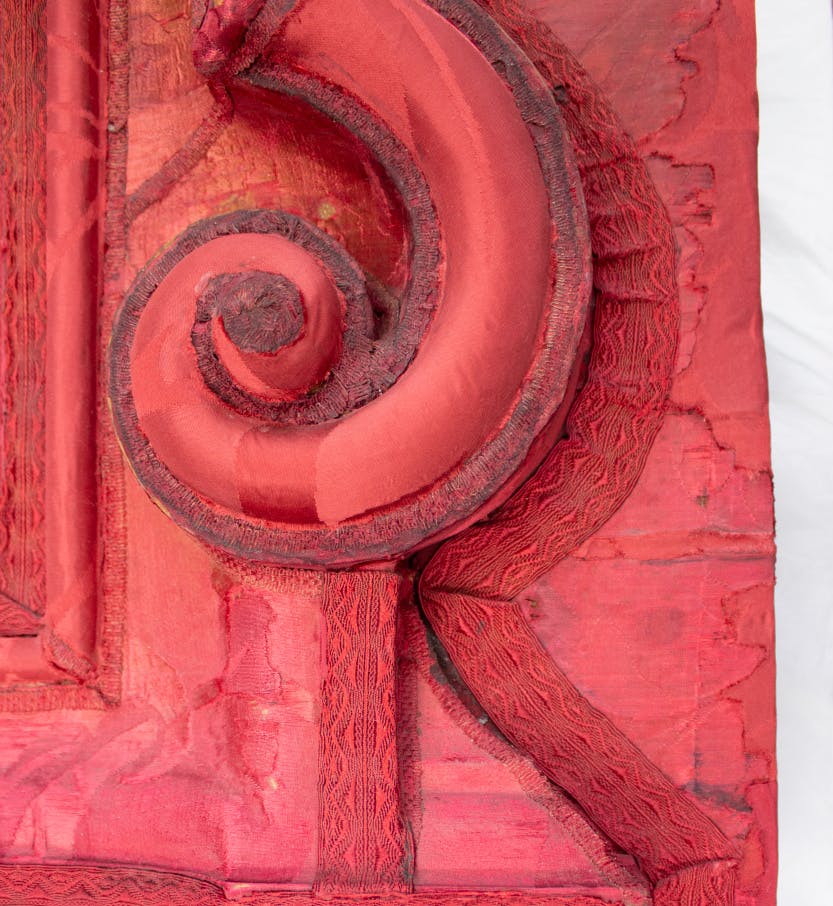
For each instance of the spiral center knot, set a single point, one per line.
(260, 312)
(269, 336)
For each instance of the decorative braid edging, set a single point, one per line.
(23, 315)
(363, 846)
(65, 885)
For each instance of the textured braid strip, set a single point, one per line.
(23, 316)
(710, 884)
(66, 885)
(363, 845)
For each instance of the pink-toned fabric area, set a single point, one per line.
(197, 745)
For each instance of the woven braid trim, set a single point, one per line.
(363, 845)
(23, 316)
(65, 885)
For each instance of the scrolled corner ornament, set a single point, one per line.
(412, 422)
(287, 410)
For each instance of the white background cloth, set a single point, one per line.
(795, 83)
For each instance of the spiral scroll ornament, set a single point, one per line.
(383, 422)
(287, 407)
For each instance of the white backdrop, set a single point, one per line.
(795, 83)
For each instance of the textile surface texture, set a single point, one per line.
(386, 503)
